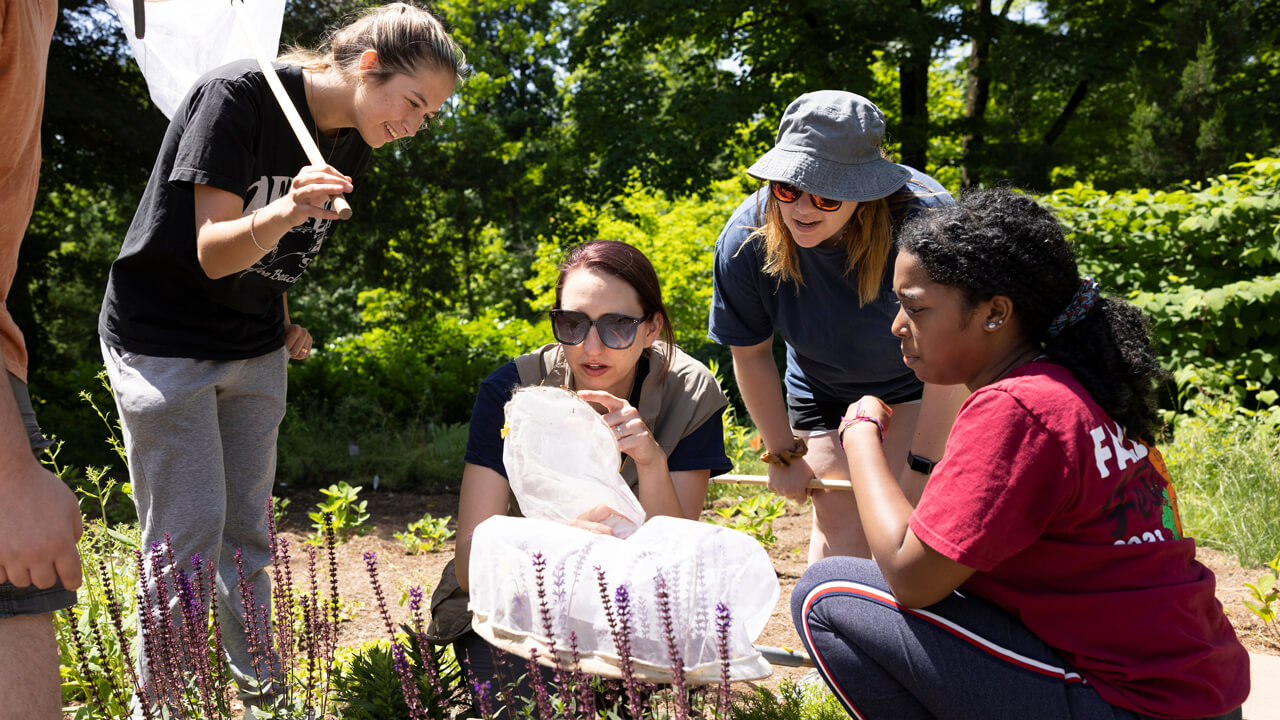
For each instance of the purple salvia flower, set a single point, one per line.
(503, 669)
(82, 659)
(330, 542)
(313, 621)
(147, 632)
(163, 659)
(481, 691)
(544, 611)
(168, 552)
(117, 620)
(407, 685)
(113, 687)
(309, 647)
(425, 648)
(603, 587)
(371, 565)
(678, 684)
(222, 674)
(196, 637)
(248, 607)
(584, 698)
(280, 599)
(723, 621)
(541, 698)
(622, 641)
(483, 698)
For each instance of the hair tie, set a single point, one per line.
(1087, 294)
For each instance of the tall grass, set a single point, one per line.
(1225, 466)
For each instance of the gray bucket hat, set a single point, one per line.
(829, 145)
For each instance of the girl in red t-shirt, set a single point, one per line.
(1044, 573)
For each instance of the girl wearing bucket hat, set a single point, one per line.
(809, 256)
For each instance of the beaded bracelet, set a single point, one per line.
(847, 422)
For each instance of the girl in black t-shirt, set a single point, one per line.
(194, 326)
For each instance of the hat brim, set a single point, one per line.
(829, 179)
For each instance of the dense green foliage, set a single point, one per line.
(1203, 261)
(634, 119)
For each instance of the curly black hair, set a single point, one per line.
(996, 242)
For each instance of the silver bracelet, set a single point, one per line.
(254, 237)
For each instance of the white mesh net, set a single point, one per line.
(535, 581)
(562, 460)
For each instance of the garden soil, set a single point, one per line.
(391, 512)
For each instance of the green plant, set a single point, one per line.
(95, 655)
(279, 509)
(741, 445)
(754, 515)
(1225, 465)
(1265, 596)
(426, 535)
(315, 449)
(369, 685)
(348, 516)
(1201, 260)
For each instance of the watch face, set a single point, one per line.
(924, 466)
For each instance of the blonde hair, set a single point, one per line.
(866, 238)
(408, 40)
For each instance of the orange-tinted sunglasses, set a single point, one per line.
(790, 193)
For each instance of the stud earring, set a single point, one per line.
(993, 325)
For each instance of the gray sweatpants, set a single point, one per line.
(201, 442)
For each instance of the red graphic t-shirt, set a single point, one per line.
(1074, 529)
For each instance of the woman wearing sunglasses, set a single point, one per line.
(615, 348)
(810, 257)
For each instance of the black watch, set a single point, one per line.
(924, 466)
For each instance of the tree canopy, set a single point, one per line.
(588, 117)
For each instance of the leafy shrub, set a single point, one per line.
(677, 235)
(317, 450)
(421, 369)
(1203, 261)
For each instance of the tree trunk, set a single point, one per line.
(1060, 124)
(977, 93)
(913, 88)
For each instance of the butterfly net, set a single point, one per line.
(664, 592)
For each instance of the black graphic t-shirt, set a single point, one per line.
(228, 133)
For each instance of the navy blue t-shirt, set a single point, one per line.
(702, 449)
(836, 351)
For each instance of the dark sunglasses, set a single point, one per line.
(616, 331)
(790, 193)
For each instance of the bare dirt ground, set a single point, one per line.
(391, 512)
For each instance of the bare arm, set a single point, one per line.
(484, 494)
(917, 574)
(938, 408)
(39, 516)
(227, 243)
(761, 389)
